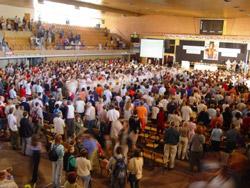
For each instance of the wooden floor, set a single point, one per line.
(155, 177)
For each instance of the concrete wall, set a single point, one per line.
(11, 11)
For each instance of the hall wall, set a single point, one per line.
(158, 25)
(12, 11)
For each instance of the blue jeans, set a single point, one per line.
(90, 124)
(86, 181)
(25, 142)
(57, 167)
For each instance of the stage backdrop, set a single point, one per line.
(210, 51)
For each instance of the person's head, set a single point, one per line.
(198, 130)
(72, 177)
(11, 110)
(78, 117)
(58, 139)
(248, 114)
(118, 150)
(69, 103)
(238, 115)
(71, 149)
(84, 153)
(25, 114)
(137, 153)
(57, 106)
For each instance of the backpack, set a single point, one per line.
(71, 164)
(120, 169)
(53, 154)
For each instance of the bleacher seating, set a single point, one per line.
(90, 37)
(17, 40)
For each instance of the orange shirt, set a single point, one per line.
(99, 91)
(141, 112)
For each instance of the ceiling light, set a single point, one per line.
(227, 1)
(241, 10)
(236, 7)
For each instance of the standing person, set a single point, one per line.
(128, 110)
(35, 150)
(118, 169)
(160, 121)
(142, 115)
(116, 127)
(80, 104)
(57, 164)
(70, 120)
(134, 129)
(227, 118)
(196, 145)
(71, 181)
(183, 144)
(90, 117)
(84, 167)
(186, 112)
(232, 136)
(12, 123)
(25, 131)
(59, 124)
(37, 117)
(70, 160)
(171, 139)
(216, 137)
(135, 167)
(113, 114)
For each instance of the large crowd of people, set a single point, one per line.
(100, 110)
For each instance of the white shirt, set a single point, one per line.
(83, 166)
(90, 113)
(39, 89)
(12, 94)
(58, 125)
(155, 111)
(28, 89)
(108, 94)
(162, 90)
(212, 113)
(116, 127)
(80, 104)
(113, 115)
(12, 122)
(37, 100)
(186, 112)
(71, 112)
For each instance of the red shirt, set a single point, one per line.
(22, 92)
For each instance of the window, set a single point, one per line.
(58, 13)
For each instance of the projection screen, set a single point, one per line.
(152, 48)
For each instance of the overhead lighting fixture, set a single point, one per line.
(236, 7)
(227, 1)
(241, 10)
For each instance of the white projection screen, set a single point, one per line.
(152, 48)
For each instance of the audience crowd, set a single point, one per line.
(94, 112)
